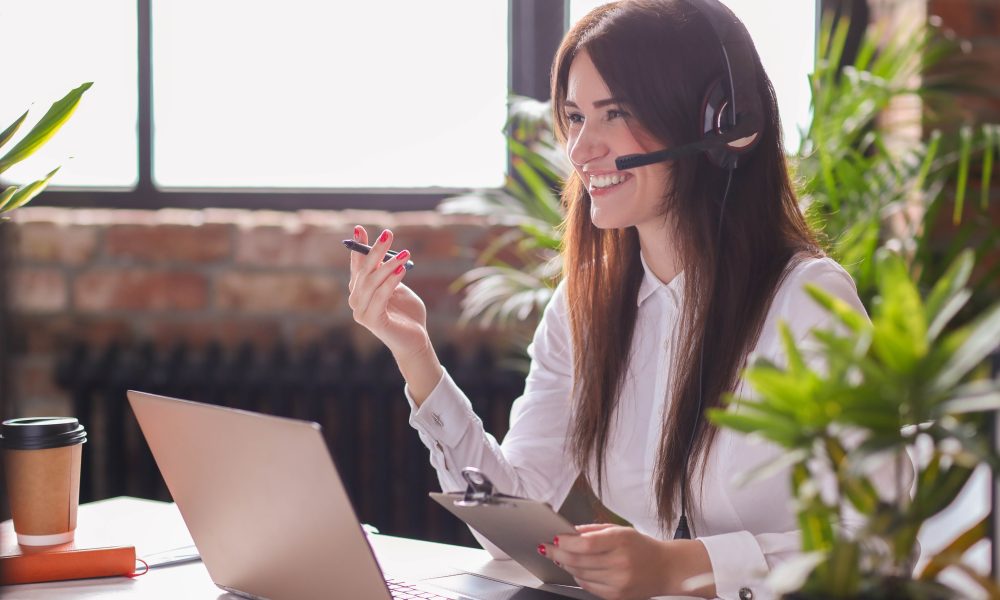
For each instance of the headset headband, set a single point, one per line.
(737, 53)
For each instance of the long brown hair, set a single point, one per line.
(660, 57)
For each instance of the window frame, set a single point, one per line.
(535, 28)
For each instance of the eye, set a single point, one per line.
(575, 118)
(617, 113)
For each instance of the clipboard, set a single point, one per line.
(515, 525)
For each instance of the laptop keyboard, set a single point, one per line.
(404, 590)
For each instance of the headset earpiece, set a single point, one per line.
(717, 119)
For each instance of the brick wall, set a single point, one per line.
(183, 276)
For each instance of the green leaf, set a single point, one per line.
(981, 338)
(784, 432)
(945, 490)
(796, 363)
(963, 173)
(925, 167)
(973, 403)
(954, 551)
(844, 569)
(6, 196)
(24, 195)
(946, 290)
(10, 131)
(991, 140)
(844, 312)
(49, 124)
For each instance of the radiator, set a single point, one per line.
(358, 400)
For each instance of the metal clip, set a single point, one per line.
(480, 490)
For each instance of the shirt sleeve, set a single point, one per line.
(532, 460)
(742, 560)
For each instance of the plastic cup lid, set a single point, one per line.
(38, 433)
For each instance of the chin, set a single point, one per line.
(603, 219)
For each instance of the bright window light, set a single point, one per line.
(52, 46)
(329, 95)
(786, 46)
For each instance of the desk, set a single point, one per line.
(153, 526)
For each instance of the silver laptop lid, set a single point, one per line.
(262, 499)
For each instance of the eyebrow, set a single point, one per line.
(597, 104)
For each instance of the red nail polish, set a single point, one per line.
(399, 270)
(357, 232)
(541, 549)
(384, 237)
(405, 254)
(555, 541)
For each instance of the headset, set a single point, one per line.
(731, 119)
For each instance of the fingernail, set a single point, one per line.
(384, 237)
(405, 254)
(357, 232)
(541, 549)
(555, 541)
(399, 269)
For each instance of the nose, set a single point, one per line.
(588, 146)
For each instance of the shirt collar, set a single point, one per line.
(652, 284)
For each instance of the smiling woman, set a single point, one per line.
(683, 248)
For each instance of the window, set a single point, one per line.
(786, 46)
(389, 105)
(329, 95)
(51, 47)
(296, 94)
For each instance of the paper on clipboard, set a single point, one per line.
(515, 525)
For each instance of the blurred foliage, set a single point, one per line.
(898, 381)
(863, 188)
(519, 270)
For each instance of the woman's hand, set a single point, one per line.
(391, 311)
(619, 563)
(380, 301)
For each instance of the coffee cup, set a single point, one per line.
(42, 463)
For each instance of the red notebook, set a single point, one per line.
(28, 564)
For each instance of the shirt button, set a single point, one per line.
(746, 593)
(437, 419)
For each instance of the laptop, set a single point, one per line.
(269, 514)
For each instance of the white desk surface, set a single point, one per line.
(153, 526)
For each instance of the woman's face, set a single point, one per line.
(600, 130)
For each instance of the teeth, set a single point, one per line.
(603, 181)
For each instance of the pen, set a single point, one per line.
(363, 249)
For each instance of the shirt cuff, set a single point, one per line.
(445, 415)
(738, 566)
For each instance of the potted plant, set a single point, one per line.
(899, 381)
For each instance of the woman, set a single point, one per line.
(675, 272)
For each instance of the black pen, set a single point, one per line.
(363, 249)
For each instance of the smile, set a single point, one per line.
(603, 182)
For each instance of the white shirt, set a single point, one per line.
(746, 530)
